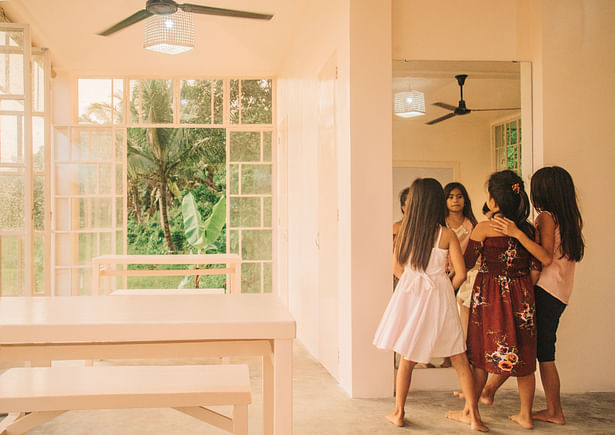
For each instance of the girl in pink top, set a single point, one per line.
(559, 247)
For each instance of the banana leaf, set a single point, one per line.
(212, 227)
(192, 223)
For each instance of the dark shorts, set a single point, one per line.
(548, 311)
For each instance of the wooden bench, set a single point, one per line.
(47, 392)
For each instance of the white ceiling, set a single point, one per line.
(224, 45)
(488, 85)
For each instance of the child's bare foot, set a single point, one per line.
(463, 416)
(485, 397)
(396, 418)
(524, 422)
(479, 426)
(545, 415)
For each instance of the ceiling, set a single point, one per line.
(224, 46)
(488, 85)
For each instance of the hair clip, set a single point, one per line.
(515, 188)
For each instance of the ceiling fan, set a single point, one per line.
(166, 7)
(461, 108)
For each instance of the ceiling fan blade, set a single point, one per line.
(445, 106)
(440, 119)
(489, 110)
(134, 18)
(207, 10)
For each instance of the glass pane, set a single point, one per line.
(119, 242)
(39, 265)
(118, 101)
(38, 83)
(12, 199)
(119, 211)
(267, 214)
(100, 145)
(500, 159)
(101, 212)
(234, 179)
(151, 101)
(11, 38)
(87, 179)
(267, 278)
(234, 101)
(62, 214)
(11, 72)
(119, 180)
(61, 144)
(513, 133)
(267, 144)
(256, 244)
(511, 156)
(67, 177)
(95, 101)
(12, 265)
(195, 102)
(119, 145)
(38, 143)
(83, 277)
(64, 243)
(105, 179)
(498, 135)
(81, 206)
(245, 212)
(11, 139)
(256, 179)
(105, 244)
(12, 105)
(256, 101)
(218, 101)
(250, 277)
(62, 282)
(39, 202)
(245, 146)
(234, 242)
(87, 247)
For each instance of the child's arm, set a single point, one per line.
(534, 275)
(456, 257)
(398, 269)
(546, 235)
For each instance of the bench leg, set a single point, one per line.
(207, 415)
(16, 423)
(240, 419)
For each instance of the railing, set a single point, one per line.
(103, 267)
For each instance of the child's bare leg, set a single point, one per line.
(550, 383)
(468, 415)
(402, 385)
(487, 395)
(527, 385)
(464, 316)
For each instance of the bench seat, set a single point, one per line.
(46, 392)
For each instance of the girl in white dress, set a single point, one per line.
(421, 320)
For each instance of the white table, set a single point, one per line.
(166, 326)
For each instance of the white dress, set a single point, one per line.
(421, 320)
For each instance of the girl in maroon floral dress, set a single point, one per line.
(502, 329)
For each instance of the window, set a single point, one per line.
(507, 143)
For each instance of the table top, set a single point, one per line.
(121, 318)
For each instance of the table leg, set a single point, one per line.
(268, 394)
(283, 386)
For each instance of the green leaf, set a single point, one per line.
(192, 223)
(215, 222)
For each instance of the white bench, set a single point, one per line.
(47, 392)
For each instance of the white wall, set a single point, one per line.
(324, 32)
(358, 33)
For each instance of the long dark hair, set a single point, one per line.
(467, 204)
(552, 190)
(424, 214)
(403, 197)
(508, 191)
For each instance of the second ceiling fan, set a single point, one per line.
(461, 108)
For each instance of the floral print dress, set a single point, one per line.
(502, 327)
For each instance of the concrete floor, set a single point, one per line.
(322, 407)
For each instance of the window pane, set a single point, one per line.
(256, 179)
(38, 143)
(11, 139)
(39, 202)
(12, 265)
(256, 101)
(267, 144)
(245, 146)
(151, 101)
(256, 244)
(39, 265)
(234, 101)
(267, 216)
(12, 199)
(218, 101)
(38, 83)
(250, 277)
(267, 278)
(195, 102)
(95, 101)
(11, 69)
(245, 212)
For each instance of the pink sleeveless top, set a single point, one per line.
(558, 277)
